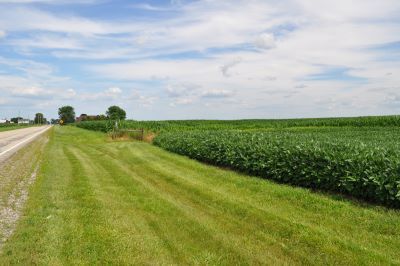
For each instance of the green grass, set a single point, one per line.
(11, 127)
(101, 202)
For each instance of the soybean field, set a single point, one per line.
(358, 157)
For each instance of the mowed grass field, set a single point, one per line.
(102, 202)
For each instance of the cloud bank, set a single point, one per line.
(201, 59)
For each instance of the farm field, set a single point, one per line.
(362, 162)
(97, 201)
(356, 156)
(249, 124)
(10, 127)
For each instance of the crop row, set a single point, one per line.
(102, 126)
(362, 163)
(180, 125)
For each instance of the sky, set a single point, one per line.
(200, 59)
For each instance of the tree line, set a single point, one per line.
(39, 120)
(67, 114)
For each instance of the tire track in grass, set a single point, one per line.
(242, 217)
(215, 221)
(61, 225)
(170, 219)
(54, 207)
(184, 172)
(153, 221)
(90, 232)
(111, 189)
(280, 224)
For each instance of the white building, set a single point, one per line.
(3, 121)
(23, 121)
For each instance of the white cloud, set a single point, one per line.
(226, 67)
(143, 100)
(69, 94)
(2, 34)
(109, 94)
(176, 91)
(113, 91)
(149, 7)
(184, 101)
(29, 19)
(217, 94)
(268, 49)
(265, 41)
(181, 89)
(49, 41)
(31, 92)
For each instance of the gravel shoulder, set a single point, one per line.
(18, 170)
(13, 140)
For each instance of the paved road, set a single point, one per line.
(13, 140)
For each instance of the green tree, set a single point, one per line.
(16, 119)
(39, 119)
(116, 113)
(102, 117)
(66, 114)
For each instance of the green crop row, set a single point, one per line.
(102, 126)
(363, 163)
(184, 125)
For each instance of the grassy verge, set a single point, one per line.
(7, 128)
(99, 202)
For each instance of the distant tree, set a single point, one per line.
(102, 117)
(66, 114)
(92, 118)
(16, 119)
(39, 119)
(116, 113)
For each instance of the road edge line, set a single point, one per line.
(24, 141)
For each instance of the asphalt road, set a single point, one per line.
(13, 140)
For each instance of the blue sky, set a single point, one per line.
(210, 59)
